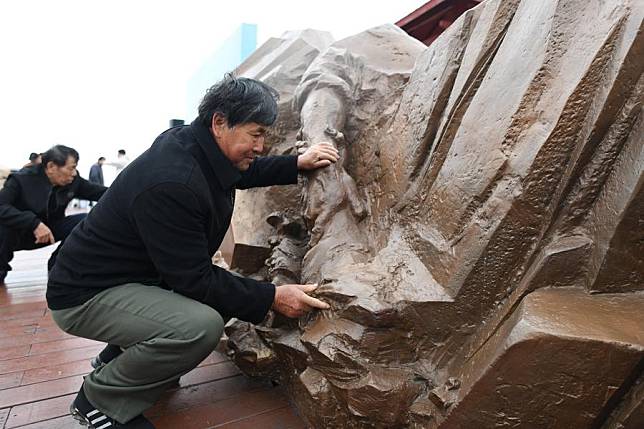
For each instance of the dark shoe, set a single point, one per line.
(3, 275)
(86, 414)
(107, 354)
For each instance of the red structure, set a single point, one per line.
(428, 21)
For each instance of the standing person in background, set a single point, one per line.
(96, 172)
(96, 175)
(121, 161)
(34, 159)
(33, 203)
(119, 164)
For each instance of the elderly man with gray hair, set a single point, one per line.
(137, 273)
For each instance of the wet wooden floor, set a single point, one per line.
(42, 368)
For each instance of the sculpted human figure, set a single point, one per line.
(345, 88)
(484, 215)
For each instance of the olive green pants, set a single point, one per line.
(164, 335)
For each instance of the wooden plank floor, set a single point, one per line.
(42, 368)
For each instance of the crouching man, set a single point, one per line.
(33, 203)
(137, 272)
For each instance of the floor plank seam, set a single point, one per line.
(33, 422)
(18, 404)
(250, 416)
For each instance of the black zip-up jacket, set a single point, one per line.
(160, 222)
(28, 198)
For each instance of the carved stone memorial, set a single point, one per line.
(481, 241)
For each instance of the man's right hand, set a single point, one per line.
(43, 234)
(293, 301)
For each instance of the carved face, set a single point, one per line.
(241, 143)
(61, 175)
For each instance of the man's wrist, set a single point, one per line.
(35, 223)
(275, 297)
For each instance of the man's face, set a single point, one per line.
(241, 143)
(61, 175)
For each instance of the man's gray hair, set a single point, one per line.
(240, 100)
(58, 155)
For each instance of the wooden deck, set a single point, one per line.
(42, 368)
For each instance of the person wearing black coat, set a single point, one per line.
(33, 202)
(137, 273)
(96, 172)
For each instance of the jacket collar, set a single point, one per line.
(226, 172)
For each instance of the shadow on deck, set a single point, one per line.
(42, 368)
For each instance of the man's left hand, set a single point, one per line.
(317, 156)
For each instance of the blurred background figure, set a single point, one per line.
(96, 172)
(119, 164)
(33, 203)
(96, 175)
(34, 159)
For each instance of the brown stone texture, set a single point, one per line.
(550, 358)
(481, 241)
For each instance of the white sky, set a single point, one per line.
(104, 75)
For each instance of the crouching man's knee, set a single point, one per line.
(206, 329)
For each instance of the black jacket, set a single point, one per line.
(160, 222)
(96, 174)
(28, 198)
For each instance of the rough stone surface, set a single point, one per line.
(481, 241)
(550, 358)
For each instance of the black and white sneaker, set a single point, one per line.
(107, 354)
(87, 415)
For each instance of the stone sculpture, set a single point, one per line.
(482, 241)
